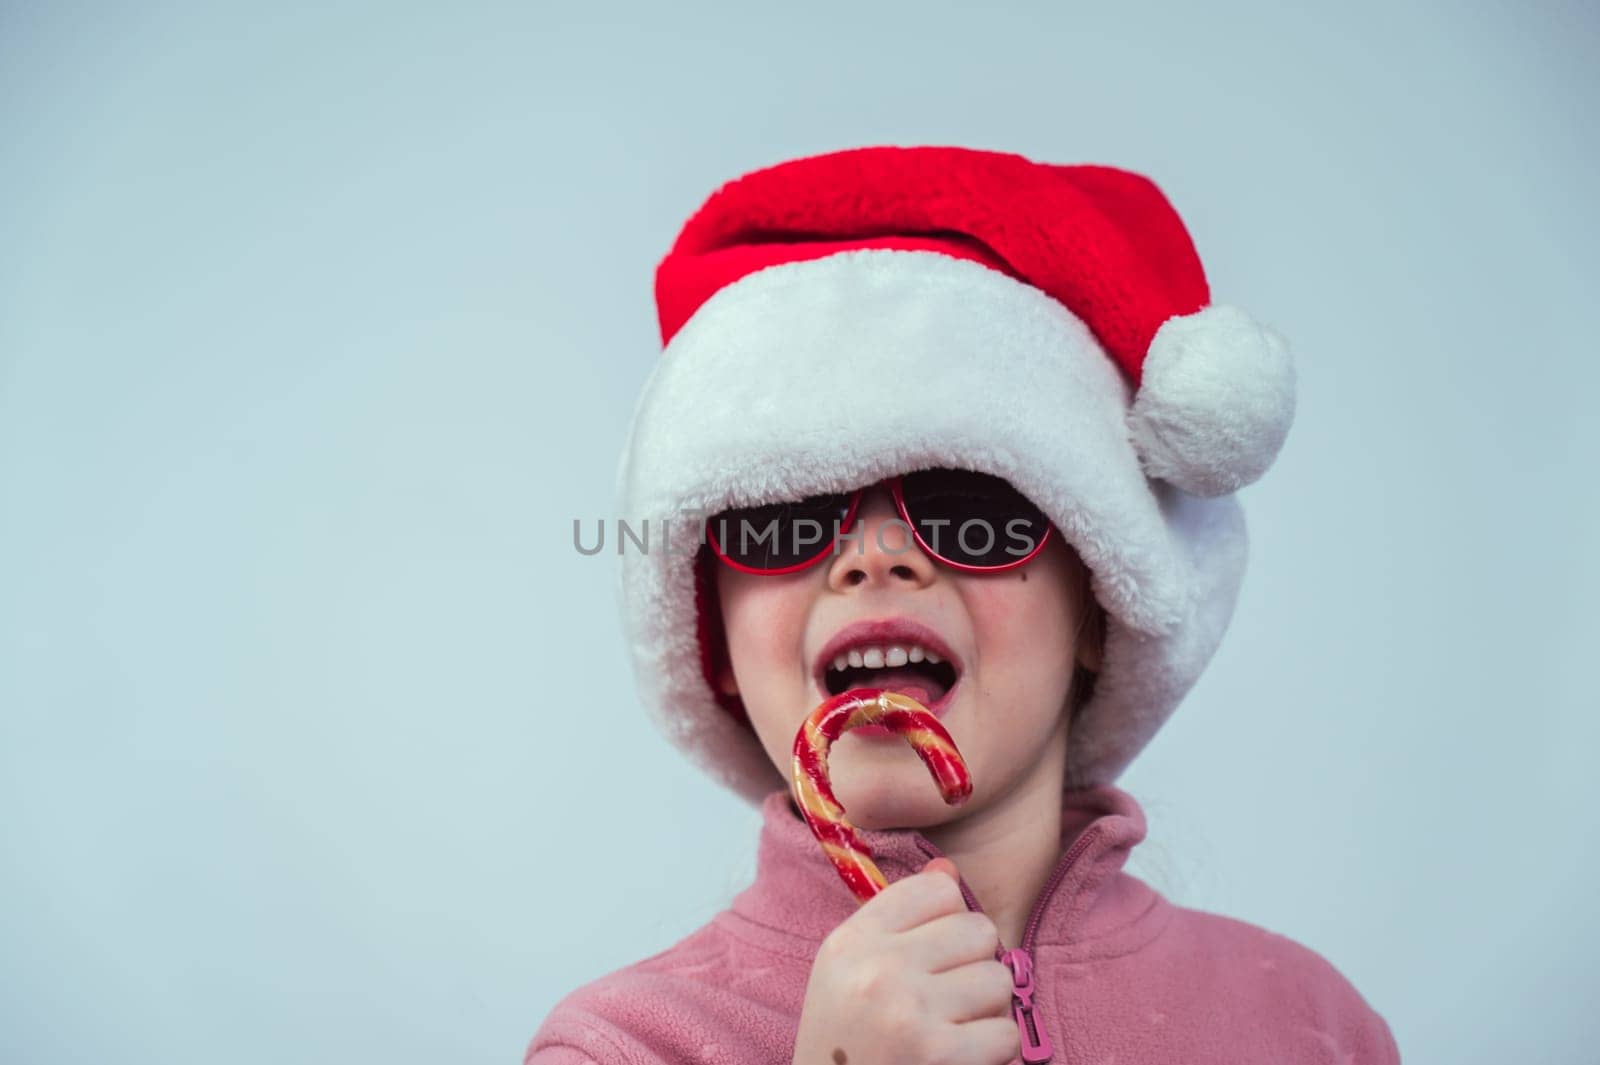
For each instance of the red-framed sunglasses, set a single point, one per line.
(970, 521)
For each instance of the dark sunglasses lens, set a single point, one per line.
(975, 519)
(779, 536)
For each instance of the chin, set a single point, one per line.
(899, 814)
(894, 796)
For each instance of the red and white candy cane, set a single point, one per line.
(814, 794)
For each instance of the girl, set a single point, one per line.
(965, 426)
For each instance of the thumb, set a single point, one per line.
(942, 865)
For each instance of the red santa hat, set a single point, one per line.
(831, 320)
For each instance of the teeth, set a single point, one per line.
(890, 657)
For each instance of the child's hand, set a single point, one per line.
(909, 977)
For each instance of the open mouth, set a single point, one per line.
(911, 669)
(925, 681)
(899, 654)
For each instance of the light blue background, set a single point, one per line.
(319, 326)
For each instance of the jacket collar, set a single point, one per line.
(1088, 898)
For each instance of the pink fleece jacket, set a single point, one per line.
(1108, 970)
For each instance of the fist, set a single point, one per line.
(911, 976)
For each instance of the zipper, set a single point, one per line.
(1034, 1040)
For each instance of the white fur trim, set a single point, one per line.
(828, 373)
(1215, 401)
(1143, 678)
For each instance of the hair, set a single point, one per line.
(711, 635)
(1091, 630)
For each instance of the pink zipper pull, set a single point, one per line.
(1035, 1040)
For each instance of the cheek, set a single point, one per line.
(765, 624)
(1021, 622)
(1023, 632)
(764, 619)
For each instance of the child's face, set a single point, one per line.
(1012, 631)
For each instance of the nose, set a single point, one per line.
(881, 549)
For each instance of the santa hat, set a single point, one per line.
(834, 319)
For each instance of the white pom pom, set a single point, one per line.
(1215, 400)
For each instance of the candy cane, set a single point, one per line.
(814, 793)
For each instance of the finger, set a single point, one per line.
(972, 992)
(952, 940)
(912, 901)
(990, 1041)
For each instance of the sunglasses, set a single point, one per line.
(970, 521)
